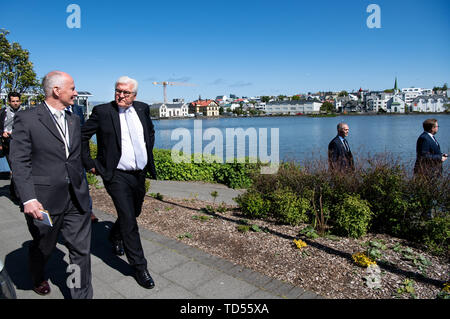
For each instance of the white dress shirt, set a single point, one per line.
(127, 160)
(62, 127)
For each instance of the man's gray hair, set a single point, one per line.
(52, 79)
(127, 80)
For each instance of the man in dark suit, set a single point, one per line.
(340, 157)
(47, 168)
(125, 139)
(6, 123)
(429, 156)
(78, 110)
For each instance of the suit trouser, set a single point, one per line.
(75, 228)
(12, 186)
(127, 190)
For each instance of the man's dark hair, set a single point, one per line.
(429, 124)
(13, 94)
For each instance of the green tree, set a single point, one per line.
(328, 107)
(16, 71)
(265, 99)
(343, 93)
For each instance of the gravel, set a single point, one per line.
(324, 266)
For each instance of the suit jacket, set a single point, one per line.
(39, 164)
(4, 142)
(105, 123)
(338, 157)
(78, 110)
(5, 146)
(429, 155)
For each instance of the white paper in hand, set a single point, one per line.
(47, 219)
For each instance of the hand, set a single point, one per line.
(33, 209)
(444, 157)
(6, 134)
(92, 170)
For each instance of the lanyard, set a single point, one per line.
(63, 133)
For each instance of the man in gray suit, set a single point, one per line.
(47, 168)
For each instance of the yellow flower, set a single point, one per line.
(362, 260)
(300, 243)
(446, 287)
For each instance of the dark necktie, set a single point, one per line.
(347, 148)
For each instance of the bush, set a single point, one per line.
(286, 207)
(437, 234)
(253, 205)
(234, 175)
(351, 217)
(384, 187)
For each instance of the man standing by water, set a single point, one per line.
(125, 139)
(340, 157)
(428, 151)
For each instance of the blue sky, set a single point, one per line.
(241, 47)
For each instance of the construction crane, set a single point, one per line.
(166, 83)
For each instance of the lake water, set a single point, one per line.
(302, 138)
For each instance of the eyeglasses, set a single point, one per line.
(125, 93)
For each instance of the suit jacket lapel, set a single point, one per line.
(47, 121)
(114, 112)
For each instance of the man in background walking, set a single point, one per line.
(6, 124)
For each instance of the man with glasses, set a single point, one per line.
(340, 158)
(125, 139)
(428, 151)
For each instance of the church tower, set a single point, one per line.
(396, 90)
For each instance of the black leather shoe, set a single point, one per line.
(144, 279)
(117, 246)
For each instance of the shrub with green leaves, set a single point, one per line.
(288, 208)
(384, 187)
(253, 204)
(351, 216)
(234, 175)
(436, 235)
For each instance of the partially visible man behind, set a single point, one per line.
(340, 157)
(428, 151)
(47, 168)
(78, 111)
(6, 124)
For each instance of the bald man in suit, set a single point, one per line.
(46, 164)
(340, 157)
